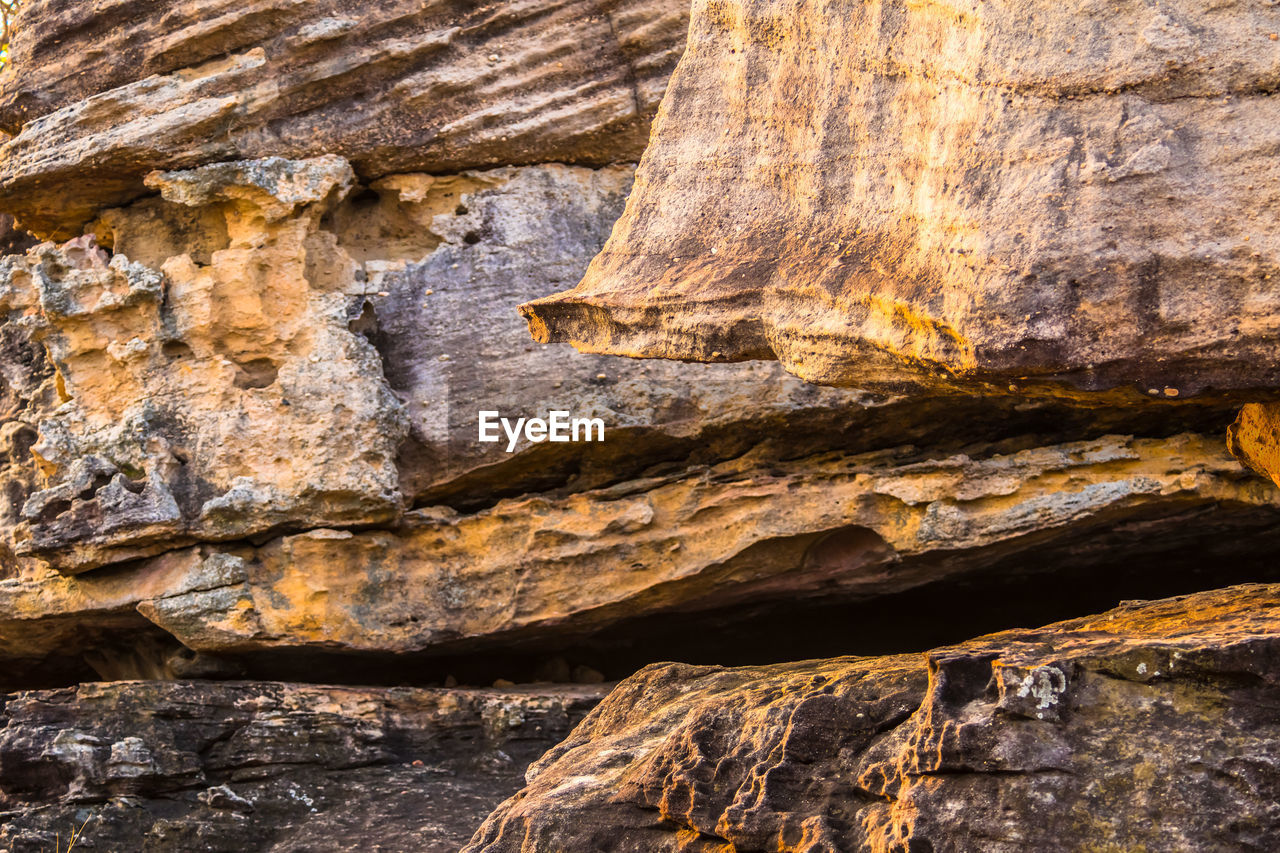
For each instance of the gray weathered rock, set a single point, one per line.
(259, 766)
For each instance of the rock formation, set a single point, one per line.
(820, 529)
(239, 766)
(100, 96)
(1147, 727)
(924, 196)
(264, 277)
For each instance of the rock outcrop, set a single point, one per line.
(246, 408)
(98, 96)
(241, 766)
(820, 529)
(196, 401)
(263, 284)
(922, 196)
(1148, 727)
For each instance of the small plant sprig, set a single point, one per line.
(76, 835)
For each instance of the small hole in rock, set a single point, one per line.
(460, 210)
(176, 349)
(367, 323)
(255, 373)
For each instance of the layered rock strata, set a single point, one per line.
(241, 384)
(912, 195)
(391, 85)
(248, 766)
(343, 340)
(1147, 727)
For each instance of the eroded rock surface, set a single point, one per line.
(1148, 727)
(98, 96)
(257, 766)
(916, 195)
(828, 528)
(276, 296)
(1254, 439)
(241, 386)
(200, 400)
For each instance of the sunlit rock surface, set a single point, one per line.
(924, 196)
(820, 529)
(286, 241)
(99, 95)
(1147, 727)
(196, 400)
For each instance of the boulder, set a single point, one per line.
(920, 197)
(1147, 727)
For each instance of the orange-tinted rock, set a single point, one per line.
(1149, 727)
(196, 401)
(924, 196)
(817, 530)
(1254, 438)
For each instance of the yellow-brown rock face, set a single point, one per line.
(828, 528)
(1254, 438)
(195, 402)
(930, 196)
(245, 482)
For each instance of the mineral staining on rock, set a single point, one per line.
(1147, 727)
(920, 196)
(238, 386)
(239, 766)
(392, 85)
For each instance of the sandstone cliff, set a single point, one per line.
(257, 572)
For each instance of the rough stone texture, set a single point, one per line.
(1150, 727)
(265, 766)
(833, 527)
(1254, 438)
(13, 240)
(239, 389)
(201, 401)
(916, 195)
(497, 238)
(391, 85)
(255, 286)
